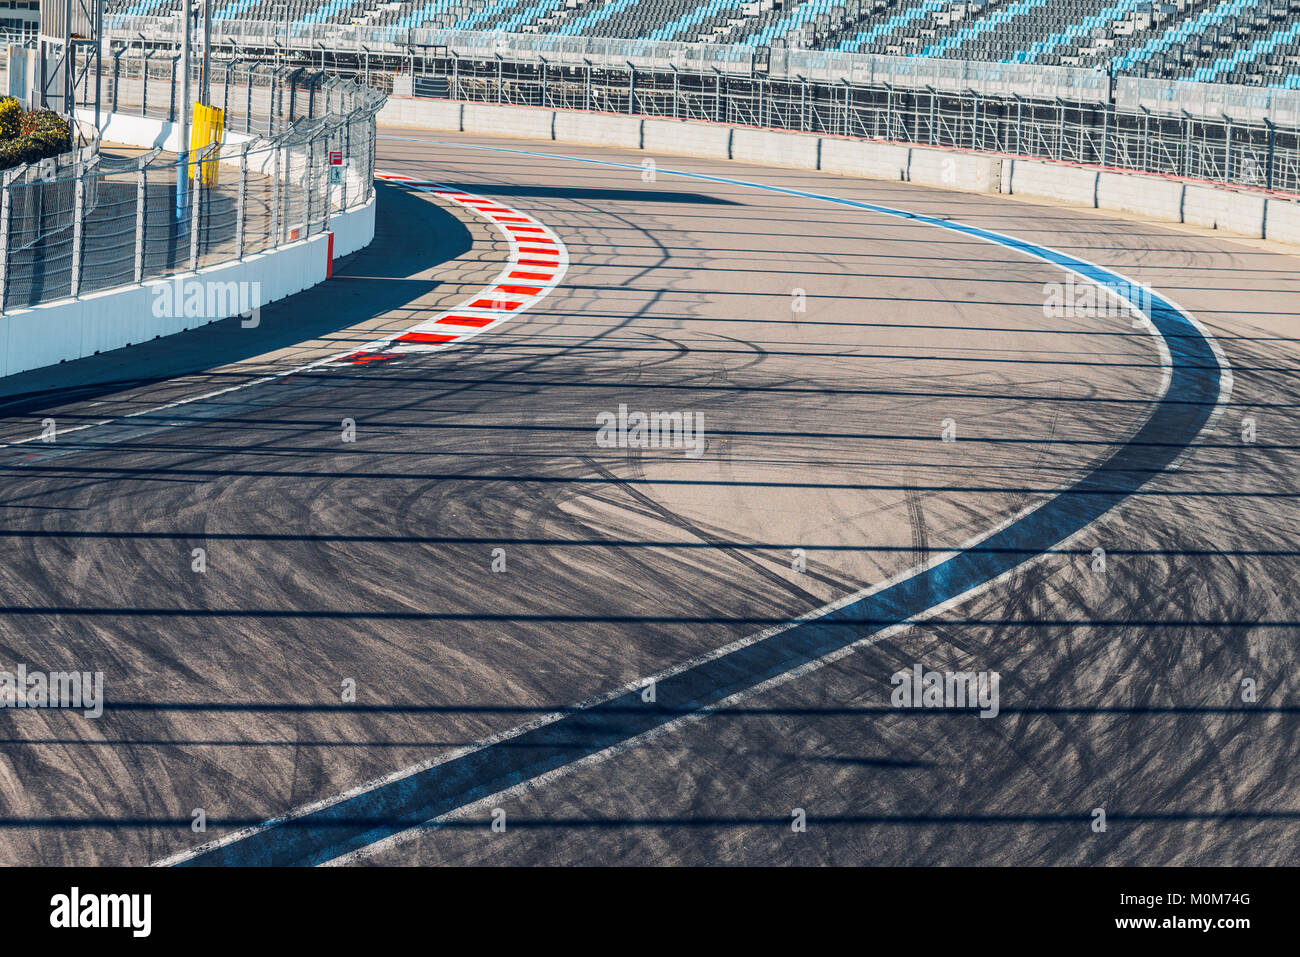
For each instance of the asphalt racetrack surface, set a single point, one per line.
(478, 613)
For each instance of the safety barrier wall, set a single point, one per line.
(706, 140)
(621, 132)
(55, 332)
(52, 332)
(1239, 211)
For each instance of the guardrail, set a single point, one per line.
(297, 151)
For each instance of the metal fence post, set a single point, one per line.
(1105, 133)
(241, 202)
(6, 213)
(248, 86)
(144, 86)
(196, 189)
(1060, 129)
(275, 198)
(1227, 150)
(171, 106)
(78, 229)
(329, 188)
(141, 181)
(347, 158)
(273, 111)
(975, 120)
(1272, 152)
(117, 74)
(309, 157)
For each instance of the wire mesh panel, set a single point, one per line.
(95, 219)
(109, 235)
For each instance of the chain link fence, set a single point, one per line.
(297, 150)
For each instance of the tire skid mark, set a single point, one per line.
(1194, 388)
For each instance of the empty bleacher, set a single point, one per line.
(1234, 41)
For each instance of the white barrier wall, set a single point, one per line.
(1283, 222)
(1238, 211)
(1223, 209)
(1065, 184)
(508, 120)
(68, 329)
(1148, 196)
(431, 114)
(146, 132)
(863, 158)
(620, 132)
(706, 140)
(771, 148)
(950, 169)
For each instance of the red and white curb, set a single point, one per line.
(538, 261)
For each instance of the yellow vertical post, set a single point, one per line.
(205, 131)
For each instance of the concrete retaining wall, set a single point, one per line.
(772, 148)
(621, 132)
(1147, 196)
(1283, 223)
(949, 169)
(430, 114)
(1065, 184)
(1241, 212)
(706, 140)
(146, 132)
(508, 120)
(863, 158)
(1223, 209)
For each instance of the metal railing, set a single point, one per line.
(106, 217)
(1074, 84)
(1241, 136)
(1189, 130)
(1260, 155)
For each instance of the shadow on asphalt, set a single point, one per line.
(411, 236)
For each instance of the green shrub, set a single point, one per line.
(11, 112)
(41, 134)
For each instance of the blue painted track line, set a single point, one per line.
(1198, 380)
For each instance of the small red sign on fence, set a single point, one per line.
(336, 157)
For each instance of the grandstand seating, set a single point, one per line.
(1235, 41)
